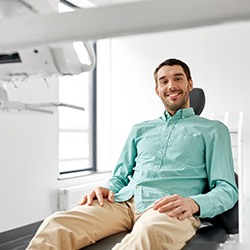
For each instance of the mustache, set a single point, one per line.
(174, 92)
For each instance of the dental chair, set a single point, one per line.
(213, 231)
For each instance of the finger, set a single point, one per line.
(184, 215)
(169, 206)
(99, 197)
(82, 201)
(111, 196)
(161, 202)
(178, 211)
(164, 207)
(157, 202)
(181, 212)
(164, 201)
(90, 198)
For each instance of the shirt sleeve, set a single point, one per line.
(223, 192)
(125, 165)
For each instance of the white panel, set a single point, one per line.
(119, 20)
(69, 197)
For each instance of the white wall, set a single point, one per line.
(28, 150)
(29, 158)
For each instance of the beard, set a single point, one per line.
(174, 105)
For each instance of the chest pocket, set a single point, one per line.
(186, 147)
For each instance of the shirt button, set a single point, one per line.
(156, 167)
(137, 186)
(161, 153)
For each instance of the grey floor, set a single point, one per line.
(18, 239)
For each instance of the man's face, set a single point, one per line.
(173, 88)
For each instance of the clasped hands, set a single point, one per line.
(175, 205)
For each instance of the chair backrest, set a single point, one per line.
(229, 219)
(197, 100)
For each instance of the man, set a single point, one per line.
(157, 188)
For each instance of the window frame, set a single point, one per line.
(92, 92)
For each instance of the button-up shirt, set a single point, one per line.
(181, 154)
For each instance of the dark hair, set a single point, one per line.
(172, 62)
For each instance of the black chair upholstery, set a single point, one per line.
(197, 100)
(215, 231)
(229, 219)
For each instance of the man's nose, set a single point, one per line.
(171, 85)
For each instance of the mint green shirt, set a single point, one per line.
(177, 154)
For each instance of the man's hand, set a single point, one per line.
(99, 193)
(177, 206)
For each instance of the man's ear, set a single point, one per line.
(190, 85)
(156, 89)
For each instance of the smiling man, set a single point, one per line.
(157, 191)
(173, 84)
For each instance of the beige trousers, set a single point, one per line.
(84, 225)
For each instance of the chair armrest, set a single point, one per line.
(228, 220)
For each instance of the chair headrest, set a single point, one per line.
(197, 100)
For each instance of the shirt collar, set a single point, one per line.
(180, 114)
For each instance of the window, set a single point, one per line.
(77, 128)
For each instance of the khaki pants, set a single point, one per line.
(84, 225)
